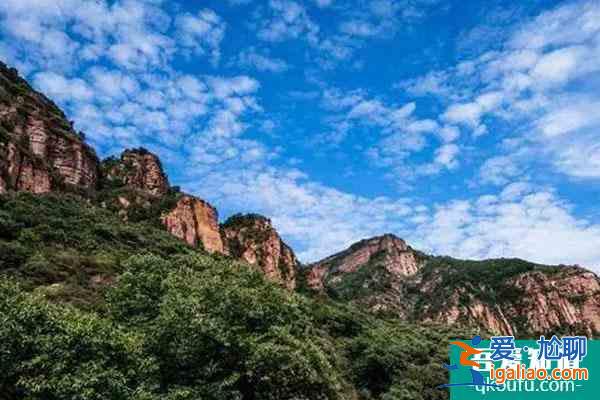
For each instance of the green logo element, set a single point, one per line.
(549, 369)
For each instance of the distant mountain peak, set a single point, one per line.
(387, 254)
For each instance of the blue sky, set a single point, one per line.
(467, 128)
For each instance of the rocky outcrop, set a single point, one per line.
(137, 169)
(196, 222)
(528, 301)
(504, 296)
(39, 150)
(568, 299)
(388, 251)
(140, 183)
(253, 239)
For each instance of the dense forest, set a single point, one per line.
(91, 308)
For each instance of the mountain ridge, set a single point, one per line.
(383, 274)
(502, 296)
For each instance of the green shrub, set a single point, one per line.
(12, 255)
(49, 352)
(214, 321)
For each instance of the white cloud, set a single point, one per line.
(288, 20)
(519, 222)
(559, 66)
(202, 33)
(433, 83)
(133, 34)
(63, 89)
(471, 113)
(251, 58)
(571, 23)
(399, 135)
(113, 84)
(446, 155)
(359, 28)
(226, 87)
(580, 158)
(448, 133)
(499, 170)
(542, 82)
(570, 117)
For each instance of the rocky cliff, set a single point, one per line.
(505, 296)
(39, 150)
(388, 252)
(537, 300)
(139, 189)
(196, 222)
(253, 239)
(137, 169)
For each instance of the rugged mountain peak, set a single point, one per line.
(146, 185)
(388, 241)
(195, 221)
(252, 238)
(387, 251)
(138, 169)
(39, 149)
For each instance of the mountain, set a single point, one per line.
(503, 296)
(115, 284)
(137, 188)
(39, 150)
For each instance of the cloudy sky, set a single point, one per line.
(469, 128)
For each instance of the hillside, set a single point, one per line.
(131, 312)
(115, 284)
(503, 296)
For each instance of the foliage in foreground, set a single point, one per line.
(193, 327)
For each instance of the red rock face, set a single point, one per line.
(195, 221)
(392, 252)
(24, 173)
(253, 239)
(570, 298)
(140, 169)
(567, 301)
(39, 148)
(542, 301)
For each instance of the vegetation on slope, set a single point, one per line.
(371, 278)
(66, 247)
(486, 280)
(172, 323)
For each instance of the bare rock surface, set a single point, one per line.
(39, 149)
(253, 239)
(195, 221)
(138, 169)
